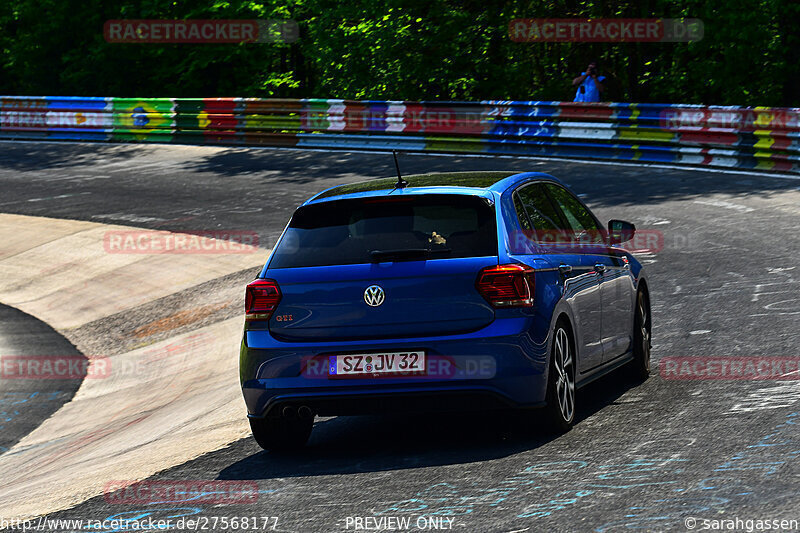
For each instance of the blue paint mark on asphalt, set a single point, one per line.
(25, 400)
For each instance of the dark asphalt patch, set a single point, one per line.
(27, 402)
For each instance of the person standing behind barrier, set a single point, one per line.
(590, 84)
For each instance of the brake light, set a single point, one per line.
(507, 285)
(261, 298)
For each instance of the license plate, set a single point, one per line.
(394, 363)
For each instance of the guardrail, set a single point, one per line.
(734, 137)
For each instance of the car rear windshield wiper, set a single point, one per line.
(406, 254)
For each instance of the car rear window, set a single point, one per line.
(364, 230)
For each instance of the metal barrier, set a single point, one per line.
(733, 137)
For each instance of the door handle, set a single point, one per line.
(565, 269)
(599, 268)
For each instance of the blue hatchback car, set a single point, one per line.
(451, 291)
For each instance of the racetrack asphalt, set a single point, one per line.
(650, 456)
(25, 403)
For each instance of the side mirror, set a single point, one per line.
(620, 231)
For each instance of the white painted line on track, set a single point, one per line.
(58, 197)
(45, 198)
(128, 217)
(75, 177)
(726, 205)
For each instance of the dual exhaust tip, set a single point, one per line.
(303, 412)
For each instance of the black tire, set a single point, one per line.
(281, 434)
(640, 366)
(560, 409)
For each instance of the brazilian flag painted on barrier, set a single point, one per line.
(144, 119)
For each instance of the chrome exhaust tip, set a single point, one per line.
(305, 412)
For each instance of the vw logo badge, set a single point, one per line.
(373, 295)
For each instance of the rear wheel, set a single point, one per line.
(280, 433)
(561, 381)
(641, 337)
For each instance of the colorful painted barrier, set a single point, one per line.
(719, 136)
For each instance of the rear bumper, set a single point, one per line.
(502, 365)
(383, 401)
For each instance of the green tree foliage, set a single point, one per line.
(404, 49)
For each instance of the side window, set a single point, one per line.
(579, 221)
(524, 221)
(543, 216)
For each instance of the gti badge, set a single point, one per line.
(373, 295)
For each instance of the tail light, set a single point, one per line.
(261, 298)
(507, 285)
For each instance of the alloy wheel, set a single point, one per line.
(565, 380)
(644, 332)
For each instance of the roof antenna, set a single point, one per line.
(401, 183)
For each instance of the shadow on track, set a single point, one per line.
(348, 445)
(27, 156)
(314, 171)
(609, 184)
(354, 445)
